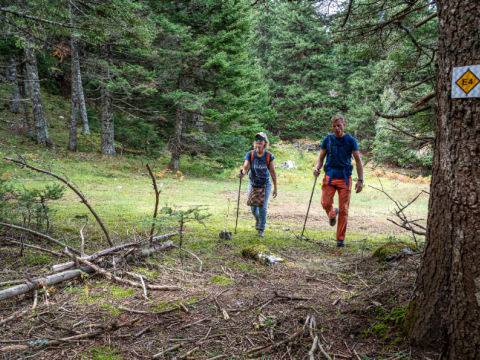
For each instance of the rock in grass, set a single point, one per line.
(261, 253)
(391, 250)
(225, 235)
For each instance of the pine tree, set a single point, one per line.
(304, 75)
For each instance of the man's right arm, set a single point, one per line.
(319, 163)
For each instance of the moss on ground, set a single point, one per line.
(253, 251)
(221, 280)
(393, 248)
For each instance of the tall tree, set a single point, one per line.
(306, 82)
(444, 312)
(11, 75)
(107, 132)
(38, 110)
(204, 69)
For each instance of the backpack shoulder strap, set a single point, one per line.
(251, 156)
(268, 159)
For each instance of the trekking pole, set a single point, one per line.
(310, 203)
(238, 202)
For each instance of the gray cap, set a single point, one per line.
(263, 135)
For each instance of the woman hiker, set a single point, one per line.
(339, 148)
(263, 165)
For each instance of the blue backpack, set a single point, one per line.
(332, 150)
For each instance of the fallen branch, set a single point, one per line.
(174, 347)
(42, 236)
(13, 316)
(36, 248)
(48, 281)
(64, 266)
(125, 281)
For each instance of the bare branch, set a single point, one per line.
(403, 115)
(430, 138)
(348, 12)
(417, 84)
(21, 15)
(424, 100)
(427, 19)
(36, 248)
(40, 235)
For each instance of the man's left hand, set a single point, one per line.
(358, 187)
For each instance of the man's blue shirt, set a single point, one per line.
(340, 155)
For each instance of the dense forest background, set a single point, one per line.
(200, 78)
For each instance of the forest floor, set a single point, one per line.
(357, 301)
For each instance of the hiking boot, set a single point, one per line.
(260, 233)
(334, 220)
(256, 224)
(340, 243)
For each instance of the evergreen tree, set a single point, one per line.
(306, 78)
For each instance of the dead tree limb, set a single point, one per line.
(404, 115)
(399, 212)
(36, 248)
(423, 100)
(350, 3)
(157, 199)
(426, 138)
(125, 281)
(427, 19)
(417, 84)
(72, 187)
(42, 236)
(68, 265)
(47, 281)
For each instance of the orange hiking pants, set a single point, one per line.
(344, 192)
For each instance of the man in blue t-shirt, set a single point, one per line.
(339, 148)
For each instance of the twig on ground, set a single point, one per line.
(13, 316)
(174, 347)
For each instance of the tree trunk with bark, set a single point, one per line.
(39, 117)
(107, 131)
(444, 313)
(176, 145)
(81, 99)
(25, 103)
(11, 74)
(72, 140)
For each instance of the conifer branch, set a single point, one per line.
(22, 15)
(434, 15)
(404, 115)
(424, 100)
(417, 84)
